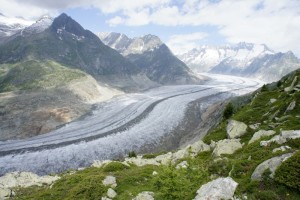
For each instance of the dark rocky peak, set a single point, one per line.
(66, 23)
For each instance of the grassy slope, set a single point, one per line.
(183, 184)
(35, 75)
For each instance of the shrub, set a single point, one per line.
(264, 88)
(131, 154)
(288, 173)
(114, 166)
(149, 156)
(228, 112)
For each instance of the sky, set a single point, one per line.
(182, 25)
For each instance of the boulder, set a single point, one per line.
(221, 188)
(282, 148)
(100, 163)
(111, 193)
(291, 106)
(254, 126)
(144, 196)
(182, 165)
(290, 88)
(25, 179)
(271, 164)
(227, 146)
(235, 129)
(261, 133)
(110, 181)
(5, 193)
(139, 161)
(273, 100)
(198, 147)
(154, 173)
(282, 138)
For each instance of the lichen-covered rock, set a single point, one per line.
(261, 133)
(254, 126)
(282, 148)
(111, 193)
(291, 106)
(25, 179)
(197, 147)
(227, 146)
(271, 164)
(273, 100)
(181, 165)
(221, 188)
(282, 138)
(144, 196)
(235, 129)
(5, 193)
(110, 181)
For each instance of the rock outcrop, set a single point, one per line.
(282, 138)
(144, 196)
(227, 146)
(221, 188)
(235, 129)
(261, 133)
(271, 164)
(110, 181)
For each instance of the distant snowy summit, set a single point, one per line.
(127, 46)
(242, 59)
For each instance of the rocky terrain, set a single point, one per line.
(153, 57)
(252, 154)
(242, 59)
(38, 97)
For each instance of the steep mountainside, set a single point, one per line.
(252, 154)
(38, 96)
(67, 42)
(152, 56)
(243, 59)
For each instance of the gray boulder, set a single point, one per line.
(282, 148)
(261, 133)
(5, 193)
(282, 138)
(271, 164)
(227, 146)
(221, 188)
(110, 181)
(182, 165)
(111, 193)
(144, 196)
(291, 106)
(235, 129)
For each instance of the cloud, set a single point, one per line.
(273, 22)
(183, 42)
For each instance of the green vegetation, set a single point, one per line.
(131, 154)
(228, 112)
(32, 74)
(172, 183)
(289, 172)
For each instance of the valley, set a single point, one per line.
(132, 122)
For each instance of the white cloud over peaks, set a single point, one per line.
(183, 42)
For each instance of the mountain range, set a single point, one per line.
(153, 57)
(242, 59)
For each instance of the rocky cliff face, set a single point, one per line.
(152, 56)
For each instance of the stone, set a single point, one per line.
(227, 146)
(154, 173)
(105, 198)
(111, 193)
(283, 137)
(212, 144)
(100, 163)
(282, 148)
(291, 106)
(261, 133)
(290, 88)
(144, 196)
(235, 129)
(197, 147)
(182, 165)
(271, 164)
(25, 179)
(110, 181)
(5, 193)
(139, 161)
(273, 100)
(254, 126)
(221, 188)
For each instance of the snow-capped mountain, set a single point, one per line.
(39, 26)
(127, 46)
(205, 58)
(12, 25)
(242, 59)
(152, 56)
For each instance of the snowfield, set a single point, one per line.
(130, 122)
